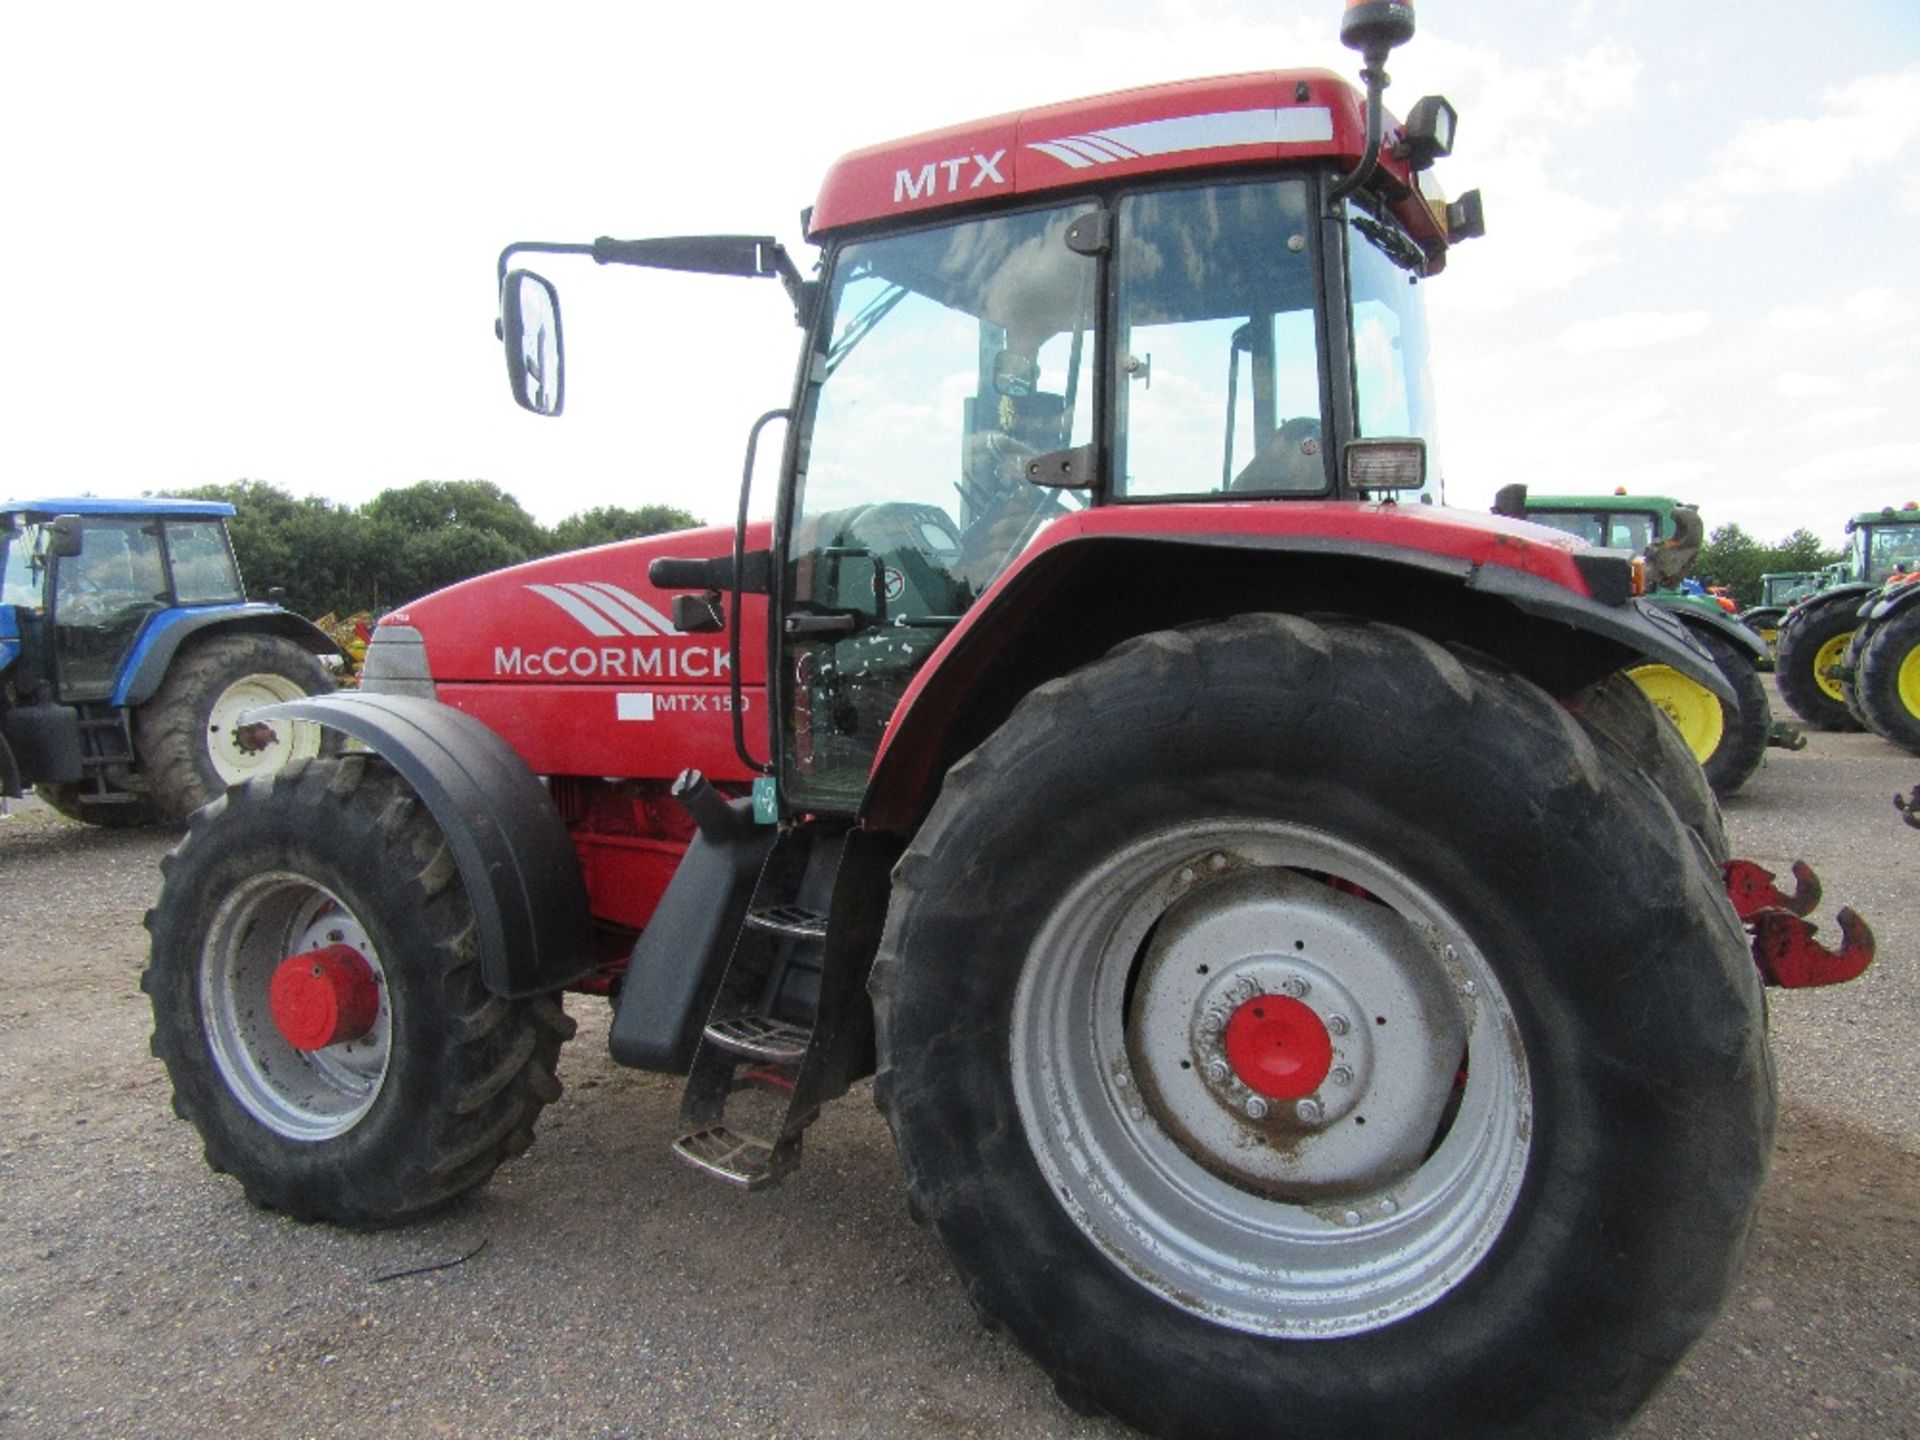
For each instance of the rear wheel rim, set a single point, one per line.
(298, 1094)
(1695, 710)
(1908, 683)
(238, 754)
(1250, 1216)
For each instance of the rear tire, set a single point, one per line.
(1434, 853)
(1620, 716)
(441, 1090)
(189, 745)
(1887, 678)
(1811, 641)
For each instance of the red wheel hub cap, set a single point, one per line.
(1278, 1047)
(324, 997)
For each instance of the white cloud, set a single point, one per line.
(1798, 385)
(1883, 466)
(1865, 125)
(1634, 330)
(1831, 418)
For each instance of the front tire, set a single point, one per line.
(1887, 679)
(444, 1082)
(188, 737)
(1728, 739)
(1524, 1179)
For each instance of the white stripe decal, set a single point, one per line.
(1183, 133)
(590, 593)
(634, 605)
(595, 622)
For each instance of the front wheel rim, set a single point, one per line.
(240, 752)
(1695, 710)
(1245, 1213)
(305, 1095)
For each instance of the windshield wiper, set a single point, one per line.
(1397, 247)
(858, 327)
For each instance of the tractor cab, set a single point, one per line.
(1883, 544)
(1185, 296)
(85, 577)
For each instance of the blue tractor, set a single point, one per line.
(128, 654)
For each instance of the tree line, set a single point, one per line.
(1733, 558)
(342, 559)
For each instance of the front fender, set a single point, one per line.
(1718, 622)
(529, 899)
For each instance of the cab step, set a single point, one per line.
(757, 1037)
(743, 1160)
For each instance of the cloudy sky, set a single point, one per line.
(257, 241)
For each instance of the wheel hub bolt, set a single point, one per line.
(1295, 986)
(1338, 1024)
(1256, 1108)
(1308, 1112)
(1340, 1075)
(1217, 1071)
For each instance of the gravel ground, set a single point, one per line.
(619, 1293)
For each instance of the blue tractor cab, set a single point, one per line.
(129, 652)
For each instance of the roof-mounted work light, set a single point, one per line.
(1428, 133)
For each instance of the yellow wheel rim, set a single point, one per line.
(1910, 681)
(1770, 636)
(1829, 655)
(1693, 708)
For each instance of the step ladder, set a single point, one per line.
(747, 1101)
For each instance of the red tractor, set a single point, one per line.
(1297, 968)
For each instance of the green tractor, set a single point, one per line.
(1848, 657)
(1780, 591)
(1729, 740)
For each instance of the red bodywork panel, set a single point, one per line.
(573, 660)
(1269, 118)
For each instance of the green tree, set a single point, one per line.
(1733, 558)
(605, 524)
(432, 533)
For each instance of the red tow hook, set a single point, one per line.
(1752, 890)
(1783, 945)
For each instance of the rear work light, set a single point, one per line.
(1395, 464)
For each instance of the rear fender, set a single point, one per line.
(1072, 602)
(161, 639)
(529, 899)
(1894, 600)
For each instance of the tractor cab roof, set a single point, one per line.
(157, 506)
(1262, 120)
(1908, 514)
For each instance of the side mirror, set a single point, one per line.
(64, 534)
(530, 329)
